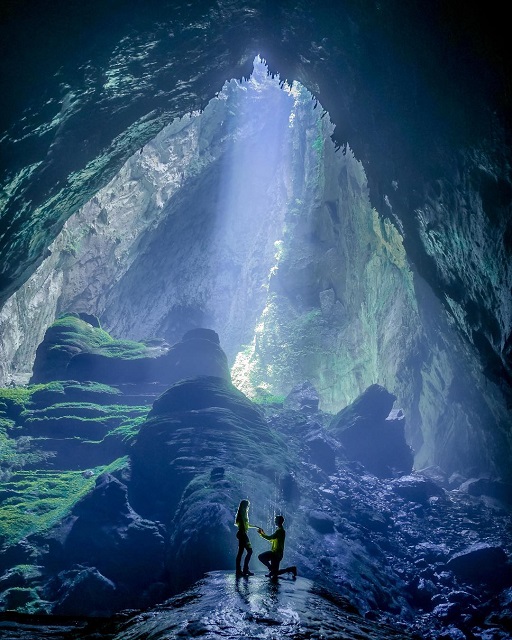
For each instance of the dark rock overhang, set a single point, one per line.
(410, 86)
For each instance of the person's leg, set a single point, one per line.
(266, 559)
(241, 549)
(292, 570)
(248, 555)
(274, 564)
(239, 559)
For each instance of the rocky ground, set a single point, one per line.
(116, 498)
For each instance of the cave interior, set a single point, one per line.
(311, 204)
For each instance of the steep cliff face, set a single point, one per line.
(245, 218)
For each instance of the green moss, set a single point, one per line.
(129, 429)
(126, 349)
(268, 399)
(18, 397)
(93, 387)
(21, 599)
(34, 501)
(71, 331)
(15, 454)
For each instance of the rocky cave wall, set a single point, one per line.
(424, 106)
(281, 253)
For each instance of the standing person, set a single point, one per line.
(244, 544)
(272, 559)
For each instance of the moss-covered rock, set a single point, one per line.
(71, 335)
(199, 424)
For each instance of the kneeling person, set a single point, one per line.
(272, 559)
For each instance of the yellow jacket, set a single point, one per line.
(276, 540)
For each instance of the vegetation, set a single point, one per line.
(31, 417)
(130, 427)
(268, 399)
(71, 331)
(34, 501)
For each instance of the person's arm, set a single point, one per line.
(267, 537)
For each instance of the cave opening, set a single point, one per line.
(246, 218)
(242, 218)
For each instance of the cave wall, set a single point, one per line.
(282, 254)
(421, 92)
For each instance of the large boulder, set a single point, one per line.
(198, 354)
(303, 397)
(104, 532)
(203, 448)
(374, 435)
(82, 591)
(69, 335)
(416, 488)
(496, 489)
(482, 563)
(75, 347)
(197, 425)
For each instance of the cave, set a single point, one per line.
(274, 226)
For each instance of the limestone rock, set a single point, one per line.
(204, 392)
(371, 436)
(82, 591)
(321, 522)
(103, 531)
(303, 397)
(322, 450)
(199, 424)
(482, 563)
(486, 487)
(210, 608)
(198, 354)
(416, 488)
(75, 349)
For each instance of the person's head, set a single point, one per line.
(243, 507)
(279, 520)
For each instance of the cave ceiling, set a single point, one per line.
(420, 90)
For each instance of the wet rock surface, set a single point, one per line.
(222, 606)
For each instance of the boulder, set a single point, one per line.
(76, 348)
(199, 353)
(373, 404)
(103, 531)
(374, 436)
(491, 488)
(322, 451)
(82, 591)
(204, 392)
(303, 397)
(416, 488)
(482, 563)
(196, 426)
(436, 474)
(321, 522)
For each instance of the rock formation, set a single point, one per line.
(382, 258)
(302, 278)
(122, 496)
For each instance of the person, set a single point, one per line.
(244, 544)
(272, 559)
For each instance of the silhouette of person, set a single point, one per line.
(272, 559)
(244, 544)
